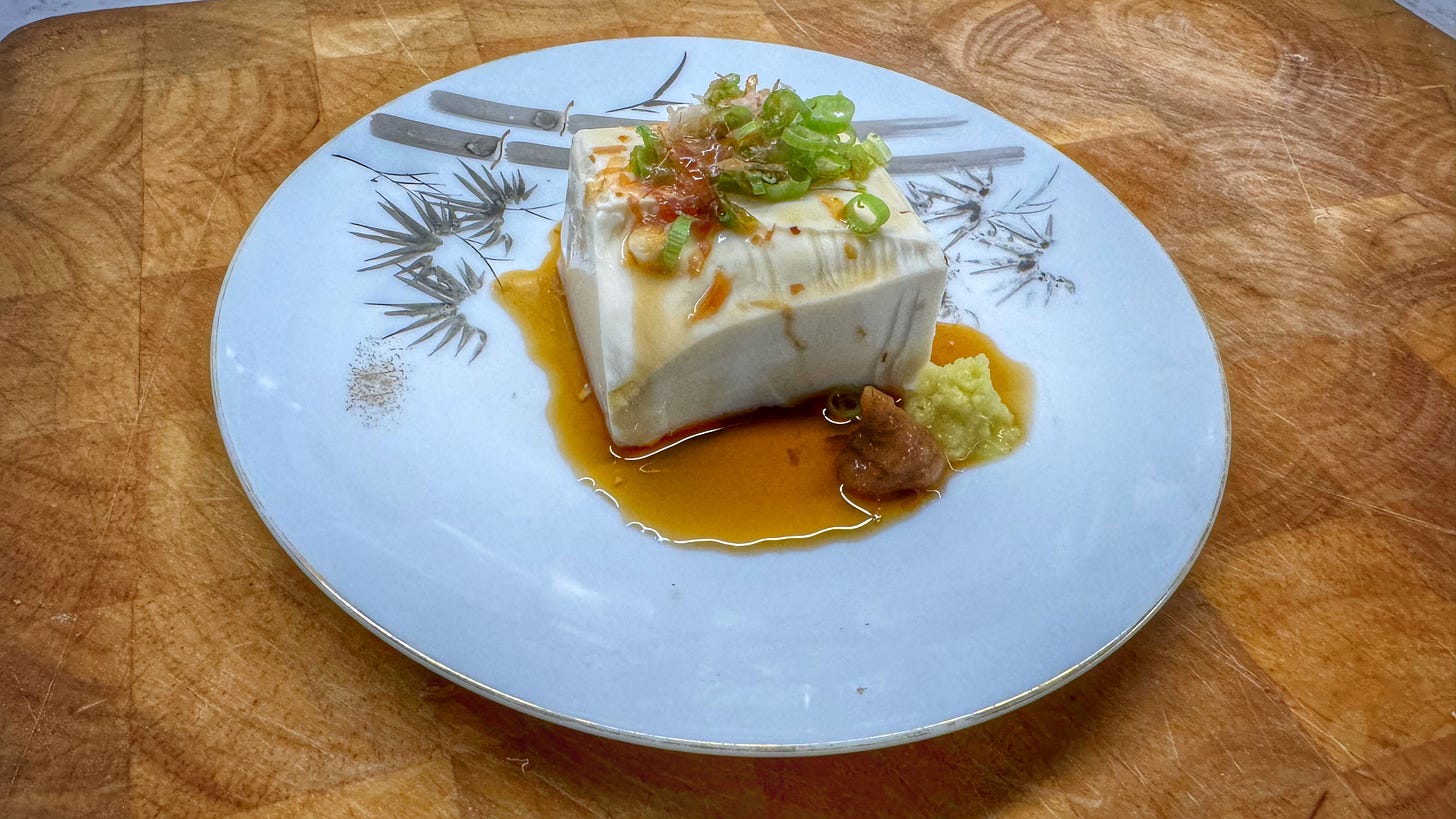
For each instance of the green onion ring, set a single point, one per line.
(829, 113)
(677, 237)
(865, 213)
(842, 405)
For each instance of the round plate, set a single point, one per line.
(425, 494)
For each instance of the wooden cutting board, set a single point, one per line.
(159, 654)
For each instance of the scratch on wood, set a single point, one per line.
(38, 714)
(1135, 770)
(227, 169)
(408, 52)
(1230, 754)
(1299, 175)
(35, 427)
(1360, 760)
(1217, 647)
(1172, 742)
(797, 24)
(117, 491)
(1356, 501)
(569, 795)
(88, 706)
(296, 734)
(1265, 407)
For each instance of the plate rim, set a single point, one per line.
(714, 747)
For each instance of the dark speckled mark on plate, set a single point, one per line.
(378, 381)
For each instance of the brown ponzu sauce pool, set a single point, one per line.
(765, 478)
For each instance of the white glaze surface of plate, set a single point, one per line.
(426, 495)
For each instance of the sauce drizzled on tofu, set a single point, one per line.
(765, 479)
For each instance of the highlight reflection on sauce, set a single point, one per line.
(763, 479)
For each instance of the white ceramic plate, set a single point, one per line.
(425, 494)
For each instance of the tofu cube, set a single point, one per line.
(803, 306)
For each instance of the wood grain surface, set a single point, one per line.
(160, 655)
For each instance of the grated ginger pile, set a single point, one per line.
(957, 403)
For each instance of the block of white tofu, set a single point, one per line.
(809, 306)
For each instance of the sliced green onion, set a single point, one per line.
(734, 182)
(830, 166)
(865, 156)
(740, 181)
(645, 158)
(785, 189)
(805, 140)
(767, 184)
(829, 113)
(865, 213)
(723, 89)
(877, 149)
(781, 108)
(640, 164)
(777, 155)
(860, 162)
(677, 236)
(732, 116)
(734, 217)
(748, 133)
(650, 140)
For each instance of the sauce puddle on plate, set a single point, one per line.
(763, 479)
